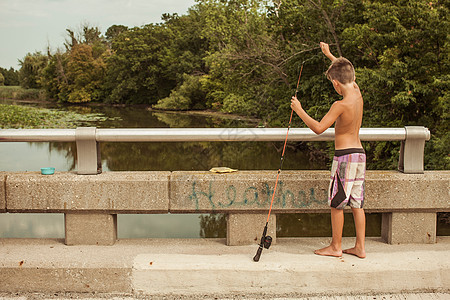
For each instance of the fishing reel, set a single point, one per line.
(267, 242)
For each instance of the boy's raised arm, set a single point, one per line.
(326, 50)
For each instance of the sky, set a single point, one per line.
(27, 26)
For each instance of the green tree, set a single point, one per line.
(113, 32)
(77, 75)
(243, 57)
(85, 72)
(31, 68)
(54, 77)
(2, 80)
(134, 71)
(187, 48)
(150, 61)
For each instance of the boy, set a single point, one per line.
(348, 168)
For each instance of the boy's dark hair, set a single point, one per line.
(341, 69)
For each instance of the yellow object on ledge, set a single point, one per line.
(223, 170)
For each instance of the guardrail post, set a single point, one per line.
(88, 151)
(412, 150)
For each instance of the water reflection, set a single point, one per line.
(159, 226)
(31, 225)
(201, 156)
(213, 226)
(33, 156)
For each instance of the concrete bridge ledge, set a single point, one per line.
(109, 192)
(408, 202)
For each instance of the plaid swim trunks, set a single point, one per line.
(347, 178)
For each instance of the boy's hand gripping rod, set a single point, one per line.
(266, 240)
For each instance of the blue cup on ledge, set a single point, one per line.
(47, 171)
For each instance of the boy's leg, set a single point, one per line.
(360, 226)
(337, 225)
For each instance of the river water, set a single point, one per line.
(165, 157)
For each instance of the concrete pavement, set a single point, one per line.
(207, 268)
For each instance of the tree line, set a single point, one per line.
(244, 57)
(9, 77)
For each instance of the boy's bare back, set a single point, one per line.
(349, 121)
(346, 114)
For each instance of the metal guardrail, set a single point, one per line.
(194, 134)
(87, 138)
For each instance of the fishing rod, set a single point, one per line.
(266, 240)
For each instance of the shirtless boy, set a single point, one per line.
(349, 162)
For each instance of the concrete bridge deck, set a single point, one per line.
(207, 268)
(66, 296)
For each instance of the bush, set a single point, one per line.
(189, 95)
(175, 101)
(19, 93)
(237, 104)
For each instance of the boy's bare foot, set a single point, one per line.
(329, 251)
(361, 253)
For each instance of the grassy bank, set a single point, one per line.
(19, 93)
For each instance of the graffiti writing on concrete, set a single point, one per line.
(251, 197)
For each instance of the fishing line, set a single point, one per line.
(266, 240)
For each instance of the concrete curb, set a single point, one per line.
(202, 267)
